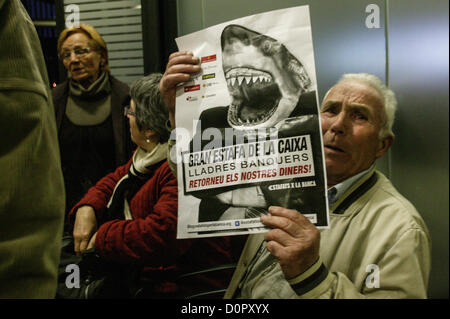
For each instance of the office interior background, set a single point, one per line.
(409, 51)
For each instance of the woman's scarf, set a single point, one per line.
(89, 106)
(142, 168)
(97, 90)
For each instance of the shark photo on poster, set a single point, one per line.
(252, 119)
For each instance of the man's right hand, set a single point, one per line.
(85, 226)
(179, 69)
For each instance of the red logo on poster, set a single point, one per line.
(192, 88)
(209, 58)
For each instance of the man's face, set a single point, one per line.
(352, 115)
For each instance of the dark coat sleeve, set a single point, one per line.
(120, 97)
(59, 97)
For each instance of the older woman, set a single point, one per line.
(136, 208)
(93, 135)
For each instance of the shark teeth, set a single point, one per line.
(248, 79)
(251, 76)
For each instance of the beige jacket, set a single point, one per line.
(377, 246)
(31, 187)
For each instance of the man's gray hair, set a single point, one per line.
(390, 102)
(151, 112)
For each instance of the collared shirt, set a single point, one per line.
(337, 190)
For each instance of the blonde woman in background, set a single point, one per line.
(94, 136)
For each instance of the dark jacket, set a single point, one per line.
(120, 97)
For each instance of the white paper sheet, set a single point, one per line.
(248, 130)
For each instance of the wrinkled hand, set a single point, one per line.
(85, 226)
(294, 240)
(179, 69)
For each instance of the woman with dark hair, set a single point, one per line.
(94, 137)
(136, 208)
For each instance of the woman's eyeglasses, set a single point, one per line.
(79, 53)
(128, 111)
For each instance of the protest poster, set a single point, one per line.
(248, 130)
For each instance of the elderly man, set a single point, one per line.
(377, 245)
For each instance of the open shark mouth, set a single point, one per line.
(255, 96)
(264, 79)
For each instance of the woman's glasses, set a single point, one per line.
(79, 53)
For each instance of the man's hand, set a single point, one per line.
(85, 226)
(179, 69)
(294, 241)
